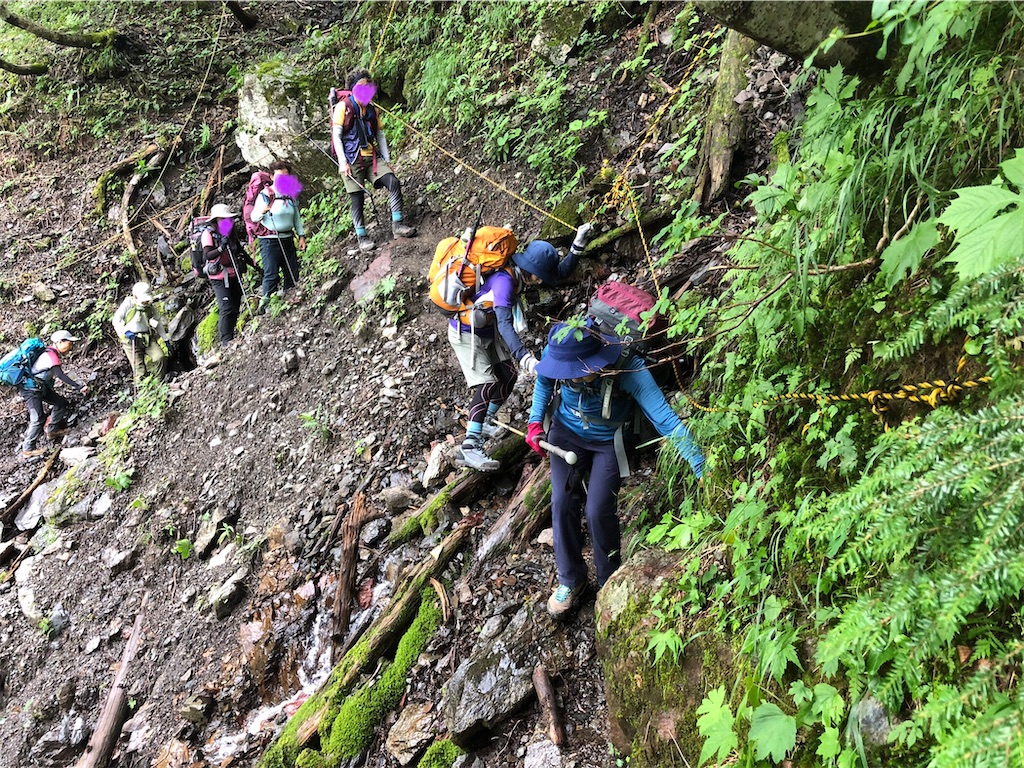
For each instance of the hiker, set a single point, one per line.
(225, 262)
(38, 389)
(276, 209)
(486, 357)
(573, 379)
(140, 329)
(363, 156)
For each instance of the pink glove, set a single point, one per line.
(534, 434)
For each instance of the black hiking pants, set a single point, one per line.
(229, 302)
(34, 399)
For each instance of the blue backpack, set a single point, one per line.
(16, 365)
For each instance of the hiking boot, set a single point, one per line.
(471, 454)
(263, 306)
(401, 229)
(57, 434)
(366, 244)
(32, 453)
(564, 599)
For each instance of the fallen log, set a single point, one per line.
(465, 484)
(357, 518)
(126, 199)
(15, 505)
(524, 515)
(378, 638)
(99, 191)
(115, 708)
(612, 235)
(549, 706)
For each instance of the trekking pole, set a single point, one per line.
(569, 457)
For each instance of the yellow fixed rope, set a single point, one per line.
(474, 171)
(380, 42)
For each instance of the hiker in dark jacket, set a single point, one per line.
(486, 357)
(225, 263)
(579, 360)
(38, 389)
(277, 209)
(363, 156)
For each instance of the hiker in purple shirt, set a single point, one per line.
(490, 349)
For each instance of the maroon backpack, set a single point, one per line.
(624, 310)
(259, 181)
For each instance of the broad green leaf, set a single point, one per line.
(903, 257)
(715, 723)
(999, 242)
(976, 206)
(1013, 170)
(828, 745)
(772, 731)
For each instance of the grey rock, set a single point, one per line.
(59, 620)
(224, 598)
(77, 455)
(542, 754)
(398, 499)
(36, 507)
(412, 732)
(59, 747)
(873, 721)
(210, 530)
(119, 561)
(42, 292)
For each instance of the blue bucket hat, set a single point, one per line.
(573, 358)
(540, 259)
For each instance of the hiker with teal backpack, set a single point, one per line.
(39, 366)
(486, 336)
(363, 157)
(276, 209)
(583, 395)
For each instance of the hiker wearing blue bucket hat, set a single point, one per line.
(489, 347)
(581, 400)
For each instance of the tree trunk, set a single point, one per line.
(797, 27)
(724, 121)
(24, 69)
(83, 40)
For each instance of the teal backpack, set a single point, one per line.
(16, 365)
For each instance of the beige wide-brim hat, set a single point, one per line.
(221, 211)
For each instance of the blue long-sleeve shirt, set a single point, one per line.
(579, 409)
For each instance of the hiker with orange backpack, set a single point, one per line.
(276, 209)
(485, 335)
(583, 395)
(363, 157)
(37, 388)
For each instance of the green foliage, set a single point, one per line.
(207, 334)
(182, 548)
(148, 405)
(440, 754)
(715, 724)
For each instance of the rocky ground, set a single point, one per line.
(221, 545)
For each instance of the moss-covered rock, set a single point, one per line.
(310, 758)
(652, 705)
(440, 754)
(207, 334)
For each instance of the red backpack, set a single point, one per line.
(351, 110)
(259, 181)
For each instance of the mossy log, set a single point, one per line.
(465, 484)
(83, 40)
(381, 635)
(725, 122)
(99, 191)
(41, 68)
(646, 219)
(523, 516)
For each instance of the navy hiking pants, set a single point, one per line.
(570, 501)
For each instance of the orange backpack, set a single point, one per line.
(454, 274)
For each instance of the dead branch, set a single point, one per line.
(357, 518)
(99, 191)
(245, 18)
(15, 505)
(24, 69)
(83, 40)
(549, 706)
(115, 709)
(129, 190)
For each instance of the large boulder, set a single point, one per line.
(652, 705)
(283, 115)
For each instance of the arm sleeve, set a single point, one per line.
(210, 249)
(260, 207)
(568, 265)
(58, 373)
(300, 228)
(337, 130)
(508, 332)
(382, 146)
(639, 383)
(543, 389)
(118, 319)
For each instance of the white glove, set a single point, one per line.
(528, 364)
(583, 234)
